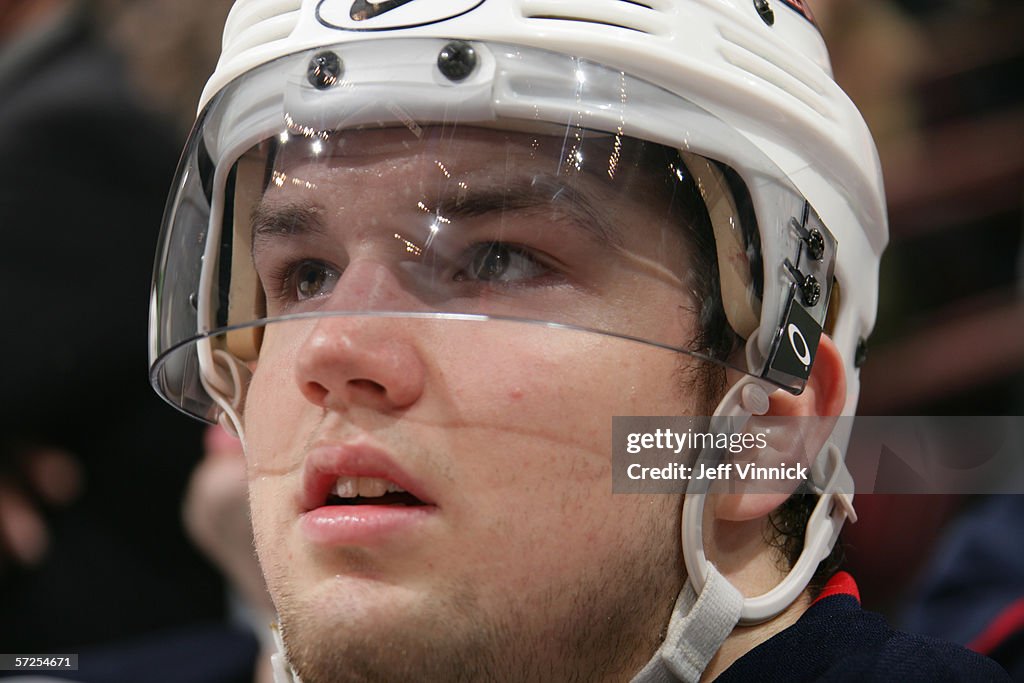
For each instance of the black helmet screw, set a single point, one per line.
(815, 244)
(810, 288)
(813, 238)
(324, 70)
(457, 60)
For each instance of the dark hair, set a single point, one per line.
(788, 524)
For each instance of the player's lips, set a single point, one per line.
(355, 493)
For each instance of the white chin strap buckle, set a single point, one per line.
(283, 671)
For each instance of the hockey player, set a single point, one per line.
(419, 254)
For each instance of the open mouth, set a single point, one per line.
(369, 491)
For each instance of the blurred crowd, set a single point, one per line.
(95, 99)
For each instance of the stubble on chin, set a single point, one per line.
(442, 640)
(607, 625)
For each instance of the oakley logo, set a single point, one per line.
(798, 344)
(389, 15)
(362, 10)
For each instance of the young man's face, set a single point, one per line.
(507, 557)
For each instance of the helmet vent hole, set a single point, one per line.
(642, 16)
(764, 10)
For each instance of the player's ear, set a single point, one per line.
(790, 442)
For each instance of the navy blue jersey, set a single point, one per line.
(972, 592)
(836, 640)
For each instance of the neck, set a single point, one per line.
(753, 567)
(743, 639)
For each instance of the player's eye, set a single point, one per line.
(500, 262)
(311, 279)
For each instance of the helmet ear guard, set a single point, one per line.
(790, 361)
(804, 274)
(739, 299)
(222, 358)
(750, 396)
(246, 301)
(225, 360)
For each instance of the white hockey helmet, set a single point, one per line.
(739, 91)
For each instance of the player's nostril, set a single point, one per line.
(367, 385)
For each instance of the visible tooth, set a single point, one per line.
(371, 487)
(367, 487)
(345, 487)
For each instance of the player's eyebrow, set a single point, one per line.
(537, 192)
(285, 220)
(294, 219)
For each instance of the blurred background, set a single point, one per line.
(95, 101)
(940, 85)
(939, 82)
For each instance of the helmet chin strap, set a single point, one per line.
(283, 671)
(225, 379)
(699, 626)
(829, 479)
(709, 607)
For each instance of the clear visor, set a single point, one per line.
(375, 180)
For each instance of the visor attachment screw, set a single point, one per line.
(815, 244)
(457, 60)
(324, 70)
(861, 354)
(810, 288)
(813, 238)
(765, 11)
